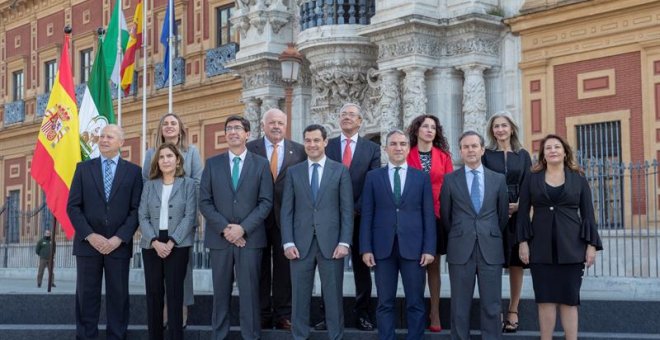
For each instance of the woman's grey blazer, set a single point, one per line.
(182, 211)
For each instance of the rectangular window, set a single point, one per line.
(18, 85)
(13, 216)
(599, 154)
(50, 70)
(225, 32)
(85, 65)
(179, 38)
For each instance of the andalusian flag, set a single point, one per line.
(96, 109)
(117, 24)
(134, 44)
(58, 147)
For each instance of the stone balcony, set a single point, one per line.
(14, 112)
(216, 58)
(315, 13)
(178, 73)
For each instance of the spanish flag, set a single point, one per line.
(134, 44)
(58, 146)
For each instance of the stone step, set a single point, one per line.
(139, 332)
(595, 315)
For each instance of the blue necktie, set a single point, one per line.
(475, 193)
(235, 172)
(315, 180)
(107, 178)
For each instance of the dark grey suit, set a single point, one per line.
(474, 247)
(316, 228)
(247, 206)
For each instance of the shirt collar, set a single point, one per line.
(391, 166)
(232, 156)
(270, 144)
(354, 138)
(469, 170)
(321, 162)
(114, 159)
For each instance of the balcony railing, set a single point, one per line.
(314, 13)
(14, 112)
(178, 73)
(216, 58)
(42, 102)
(80, 92)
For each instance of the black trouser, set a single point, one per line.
(165, 276)
(275, 273)
(361, 276)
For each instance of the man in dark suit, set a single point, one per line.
(360, 156)
(398, 235)
(474, 206)
(235, 196)
(317, 227)
(281, 153)
(103, 208)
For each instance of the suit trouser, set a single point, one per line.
(275, 273)
(165, 276)
(43, 265)
(462, 279)
(245, 263)
(89, 272)
(302, 281)
(413, 277)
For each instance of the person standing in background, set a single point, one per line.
(43, 249)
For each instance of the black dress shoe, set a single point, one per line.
(364, 324)
(321, 326)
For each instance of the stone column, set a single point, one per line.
(253, 115)
(444, 94)
(390, 105)
(474, 97)
(414, 94)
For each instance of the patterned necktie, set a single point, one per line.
(315, 180)
(235, 172)
(348, 156)
(273, 162)
(397, 185)
(475, 193)
(107, 178)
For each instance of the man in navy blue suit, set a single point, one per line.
(103, 208)
(397, 235)
(359, 155)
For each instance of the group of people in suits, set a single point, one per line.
(276, 211)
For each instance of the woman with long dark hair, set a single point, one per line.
(561, 238)
(429, 152)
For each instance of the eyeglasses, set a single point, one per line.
(235, 128)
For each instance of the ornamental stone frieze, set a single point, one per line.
(474, 97)
(389, 105)
(414, 94)
(253, 115)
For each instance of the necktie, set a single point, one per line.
(315, 180)
(235, 172)
(397, 185)
(107, 178)
(475, 193)
(273, 162)
(346, 159)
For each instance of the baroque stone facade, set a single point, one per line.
(398, 59)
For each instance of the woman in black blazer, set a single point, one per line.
(561, 238)
(167, 213)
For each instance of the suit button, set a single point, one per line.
(170, 205)
(235, 202)
(170, 217)
(397, 209)
(552, 208)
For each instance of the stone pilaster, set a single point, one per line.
(389, 105)
(253, 114)
(414, 94)
(474, 97)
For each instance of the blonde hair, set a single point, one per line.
(514, 141)
(182, 143)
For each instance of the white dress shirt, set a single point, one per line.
(402, 174)
(353, 139)
(164, 206)
(280, 152)
(240, 164)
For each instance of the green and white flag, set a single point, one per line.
(96, 109)
(112, 59)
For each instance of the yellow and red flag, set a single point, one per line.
(134, 44)
(58, 146)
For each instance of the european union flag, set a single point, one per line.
(164, 37)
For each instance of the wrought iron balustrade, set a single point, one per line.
(314, 13)
(216, 58)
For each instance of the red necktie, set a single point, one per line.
(346, 159)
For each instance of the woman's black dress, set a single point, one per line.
(516, 167)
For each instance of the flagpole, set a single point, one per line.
(171, 44)
(144, 79)
(119, 53)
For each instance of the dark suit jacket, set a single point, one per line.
(572, 215)
(330, 218)
(365, 158)
(294, 153)
(412, 220)
(90, 213)
(465, 227)
(248, 205)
